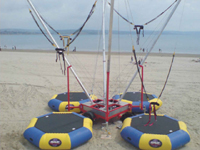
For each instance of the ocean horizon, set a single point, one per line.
(169, 42)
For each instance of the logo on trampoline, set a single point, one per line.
(155, 143)
(71, 105)
(55, 142)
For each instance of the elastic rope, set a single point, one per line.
(148, 21)
(160, 13)
(151, 37)
(49, 25)
(179, 27)
(79, 65)
(129, 24)
(118, 78)
(123, 78)
(130, 11)
(167, 76)
(77, 32)
(122, 16)
(119, 50)
(95, 69)
(40, 27)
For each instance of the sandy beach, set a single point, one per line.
(28, 80)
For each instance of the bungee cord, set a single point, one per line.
(167, 76)
(173, 55)
(127, 4)
(151, 37)
(118, 78)
(123, 79)
(148, 21)
(95, 66)
(119, 50)
(49, 25)
(41, 28)
(77, 32)
(161, 13)
(138, 28)
(79, 65)
(122, 16)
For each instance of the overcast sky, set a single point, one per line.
(70, 14)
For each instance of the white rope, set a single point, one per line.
(179, 27)
(95, 66)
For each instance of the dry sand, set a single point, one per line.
(28, 80)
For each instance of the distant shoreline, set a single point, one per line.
(114, 53)
(85, 31)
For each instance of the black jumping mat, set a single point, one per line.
(73, 96)
(59, 123)
(163, 125)
(136, 96)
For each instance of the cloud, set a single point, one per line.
(70, 14)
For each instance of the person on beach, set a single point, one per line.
(139, 62)
(131, 59)
(74, 50)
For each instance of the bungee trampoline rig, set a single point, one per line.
(71, 125)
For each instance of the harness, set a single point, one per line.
(154, 111)
(60, 52)
(138, 28)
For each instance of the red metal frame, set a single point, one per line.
(96, 104)
(68, 86)
(68, 91)
(107, 97)
(107, 118)
(142, 89)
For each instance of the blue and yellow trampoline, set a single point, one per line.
(134, 98)
(59, 130)
(164, 134)
(59, 102)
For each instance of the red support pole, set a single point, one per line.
(141, 107)
(107, 96)
(68, 87)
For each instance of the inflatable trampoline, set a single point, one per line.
(59, 130)
(164, 134)
(134, 98)
(59, 102)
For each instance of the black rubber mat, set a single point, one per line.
(136, 96)
(163, 125)
(73, 96)
(59, 123)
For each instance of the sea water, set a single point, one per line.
(186, 43)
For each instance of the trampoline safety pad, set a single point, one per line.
(59, 102)
(59, 130)
(164, 134)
